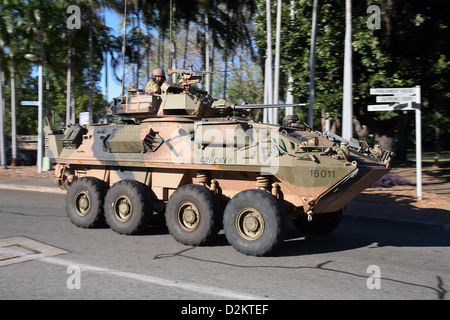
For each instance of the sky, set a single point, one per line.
(114, 88)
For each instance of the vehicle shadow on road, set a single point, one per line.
(348, 236)
(352, 235)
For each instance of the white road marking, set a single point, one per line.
(190, 286)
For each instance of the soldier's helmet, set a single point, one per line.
(159, 72)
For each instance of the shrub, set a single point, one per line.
(390, 180)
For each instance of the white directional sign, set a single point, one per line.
(392, 91)
(29, 103)
(391, 107)
(407, 99)
(396, 98)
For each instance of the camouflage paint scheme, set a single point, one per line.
(189, 138)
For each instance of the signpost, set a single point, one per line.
(406, 99)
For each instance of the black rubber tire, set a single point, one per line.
(321, 224)
(84, 202)
(204, 223)
(272, 223)
(136, 197)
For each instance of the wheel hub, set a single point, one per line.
(123, 208)
(250, 224)
(82, 203)
(188, 216)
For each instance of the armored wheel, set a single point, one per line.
(192, 216)
(128, 207)
(254, 223)
(84, 202)
(320, 224)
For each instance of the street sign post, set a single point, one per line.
(407, 99)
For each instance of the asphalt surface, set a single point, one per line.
(363, 211)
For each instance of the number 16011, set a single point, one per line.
(322, 173)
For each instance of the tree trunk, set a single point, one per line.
(69, 119)
(347, 102)
(105, 48)
(186, 45)
(91, 62)
(2, 122)
(268, 96)
(312, 65)
(361, 130)
(207, 53)
(437, 133)
(384, 141)
(404, 122)
(225, 74)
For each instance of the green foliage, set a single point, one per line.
(32, 23)
(411, 48)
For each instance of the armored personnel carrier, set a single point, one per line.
(183, 154)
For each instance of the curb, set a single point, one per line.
(32, 188)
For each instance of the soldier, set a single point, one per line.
(154, 85)
(187, 88)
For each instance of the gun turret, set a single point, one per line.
(180, 100)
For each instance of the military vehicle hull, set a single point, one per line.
(206, 174)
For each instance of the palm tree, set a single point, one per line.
(2, 118)
(96, 30)
(347, 105)
(221, 24)
(10, 31)
(6, 26)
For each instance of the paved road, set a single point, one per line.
(412, 263)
